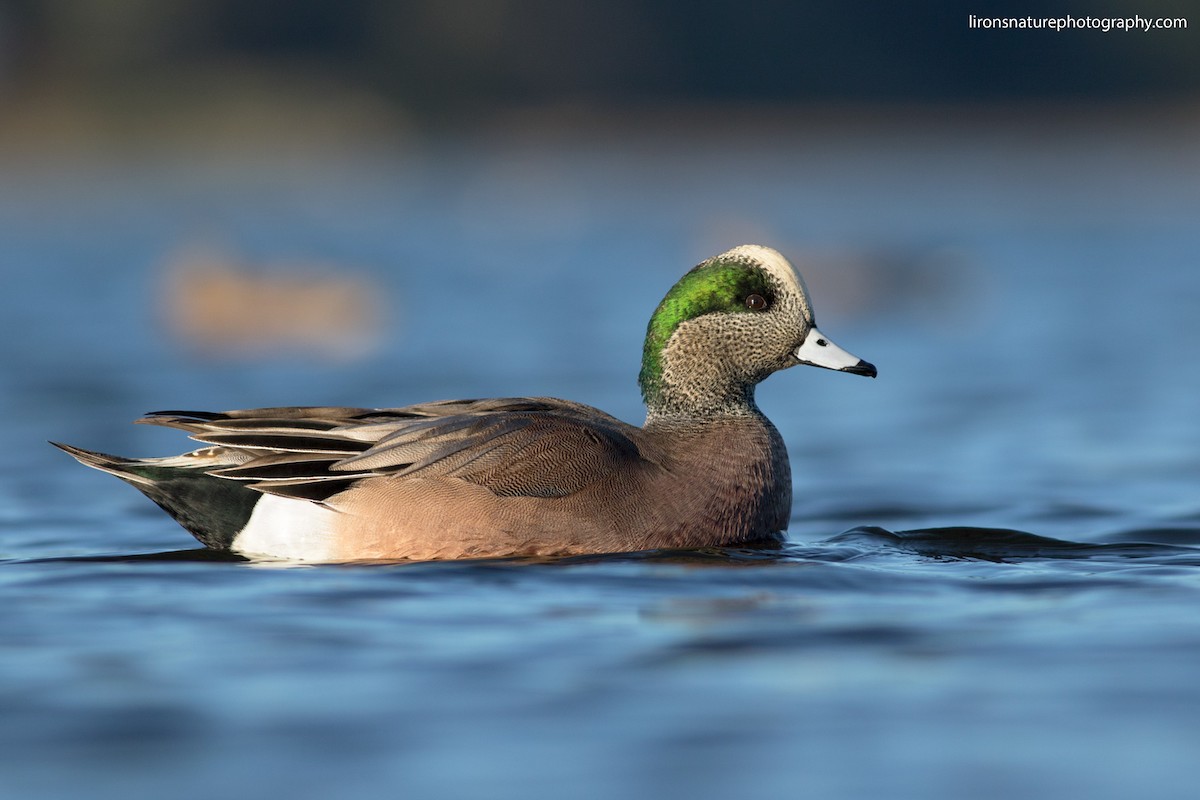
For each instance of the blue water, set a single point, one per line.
(994, 568)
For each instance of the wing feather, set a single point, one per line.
(538, 447)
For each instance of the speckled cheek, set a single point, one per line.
(794, 322)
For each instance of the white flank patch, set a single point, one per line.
(287, 528)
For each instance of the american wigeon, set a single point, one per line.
(519, 476)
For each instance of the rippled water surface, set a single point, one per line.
(992, 583)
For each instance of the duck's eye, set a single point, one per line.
(756, 302)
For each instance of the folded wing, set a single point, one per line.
(533, 447)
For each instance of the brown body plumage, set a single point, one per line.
(521, 476)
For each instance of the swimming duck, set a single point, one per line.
(519, 476)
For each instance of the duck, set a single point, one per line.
(519, 476)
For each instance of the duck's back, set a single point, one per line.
(614, 489)
(481, 478)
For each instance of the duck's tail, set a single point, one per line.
(212, 509)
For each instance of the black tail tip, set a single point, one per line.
(90, 457)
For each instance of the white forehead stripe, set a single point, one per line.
(773, 262)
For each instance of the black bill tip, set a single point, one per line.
(862, 368)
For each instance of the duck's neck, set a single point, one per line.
(700, 406)
(693, 379)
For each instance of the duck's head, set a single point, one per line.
(726, 325)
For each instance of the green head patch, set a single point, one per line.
(719, 286)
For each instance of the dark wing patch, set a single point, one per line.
(534, 447)
(316, 490)
(537, 453)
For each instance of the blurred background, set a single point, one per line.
(180, 143)
(240, 203)
(230, 204)
(111, 70)
(216, 204)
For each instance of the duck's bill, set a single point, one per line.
(818, 351)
